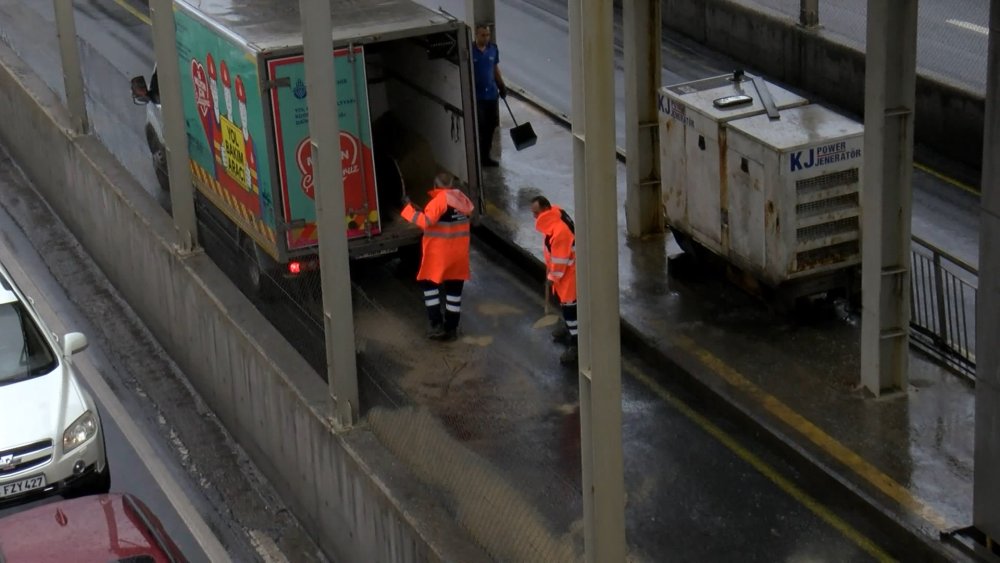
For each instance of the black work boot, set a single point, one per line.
(561, 334)
(436, 331)
(569, 356)
(445, 333)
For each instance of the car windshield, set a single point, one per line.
(24, 353)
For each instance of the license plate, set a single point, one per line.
(22, 486)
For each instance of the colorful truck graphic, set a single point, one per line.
(406, 109)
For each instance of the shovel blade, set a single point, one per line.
(523, 136)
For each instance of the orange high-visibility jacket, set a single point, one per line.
(445, 222)
(560, 253)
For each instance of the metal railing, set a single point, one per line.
(943, 306)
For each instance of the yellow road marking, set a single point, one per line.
(763, 468)
(946, 179)
(132, 10)
(827, 443)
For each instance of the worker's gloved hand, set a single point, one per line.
(503, 91)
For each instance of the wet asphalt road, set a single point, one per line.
(128, 472)
(507, 400)
(163, 444)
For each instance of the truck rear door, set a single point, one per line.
(294, 154)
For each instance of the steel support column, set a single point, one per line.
(69, 52)
(890, 92)
(643, 202)
(324, 131)
(986, 491)
(594, 180)
(809, 13)
(174, 132)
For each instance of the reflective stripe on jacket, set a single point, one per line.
(560, 252)
(445, 222)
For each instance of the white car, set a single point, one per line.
(51, 440)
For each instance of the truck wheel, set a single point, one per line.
(160, 166)
(409, 259)
(258, 284)
(687, 245)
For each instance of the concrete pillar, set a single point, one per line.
(481, 11)
(890, 92)
(594, 180)
(324, 132)
(643, 202)
(986, 491)
(69, 52)
(809, 13)
(174, 131)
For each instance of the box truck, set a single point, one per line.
(406, 111)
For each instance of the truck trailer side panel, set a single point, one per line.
(227, 138)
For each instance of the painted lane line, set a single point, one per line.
(970, 26)
(947, 179)
(199, 529)
(860, 466)
(135, 12)
(771, 474)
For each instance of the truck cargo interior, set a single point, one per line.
(415, 99)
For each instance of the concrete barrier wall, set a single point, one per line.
(343, 487)
(949, 118)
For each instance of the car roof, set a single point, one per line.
(93, 528)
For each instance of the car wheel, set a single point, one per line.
(160, 166)
(96, 484)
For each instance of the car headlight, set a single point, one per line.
(82, 429)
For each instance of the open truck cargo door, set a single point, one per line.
(294, 152)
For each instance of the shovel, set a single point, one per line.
(522, 135)
(549, 318)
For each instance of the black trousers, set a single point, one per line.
(452, 302)
(569, 315)
(488, 119)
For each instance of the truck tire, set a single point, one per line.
(409, 259)
(685, 243)
(259, 284)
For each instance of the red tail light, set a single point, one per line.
(294, 267)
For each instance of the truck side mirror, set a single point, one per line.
(140, 92)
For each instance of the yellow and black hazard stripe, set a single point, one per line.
(231, 206)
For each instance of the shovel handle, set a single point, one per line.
(508, 111)
(548, 292)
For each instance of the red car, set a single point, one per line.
(98, 528)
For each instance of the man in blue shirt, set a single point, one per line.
(489, 88)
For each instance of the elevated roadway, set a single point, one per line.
(502, 400)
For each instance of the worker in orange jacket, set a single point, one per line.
(560, 267)
(444, 264)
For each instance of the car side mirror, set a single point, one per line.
(140, 92)
(74, 342)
